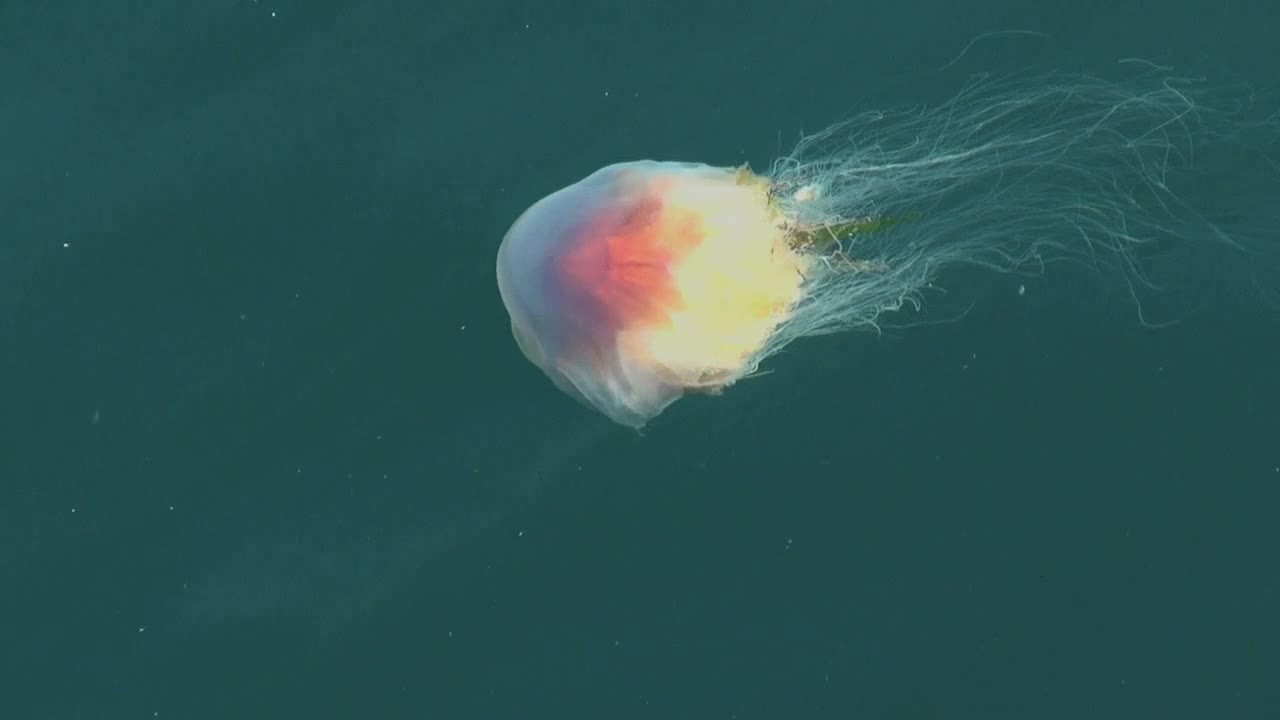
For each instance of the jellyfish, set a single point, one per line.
(650, 279)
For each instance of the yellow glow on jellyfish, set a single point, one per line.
(646, 280)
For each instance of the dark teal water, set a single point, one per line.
(269, 450)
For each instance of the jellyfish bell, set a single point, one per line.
(647, 280)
